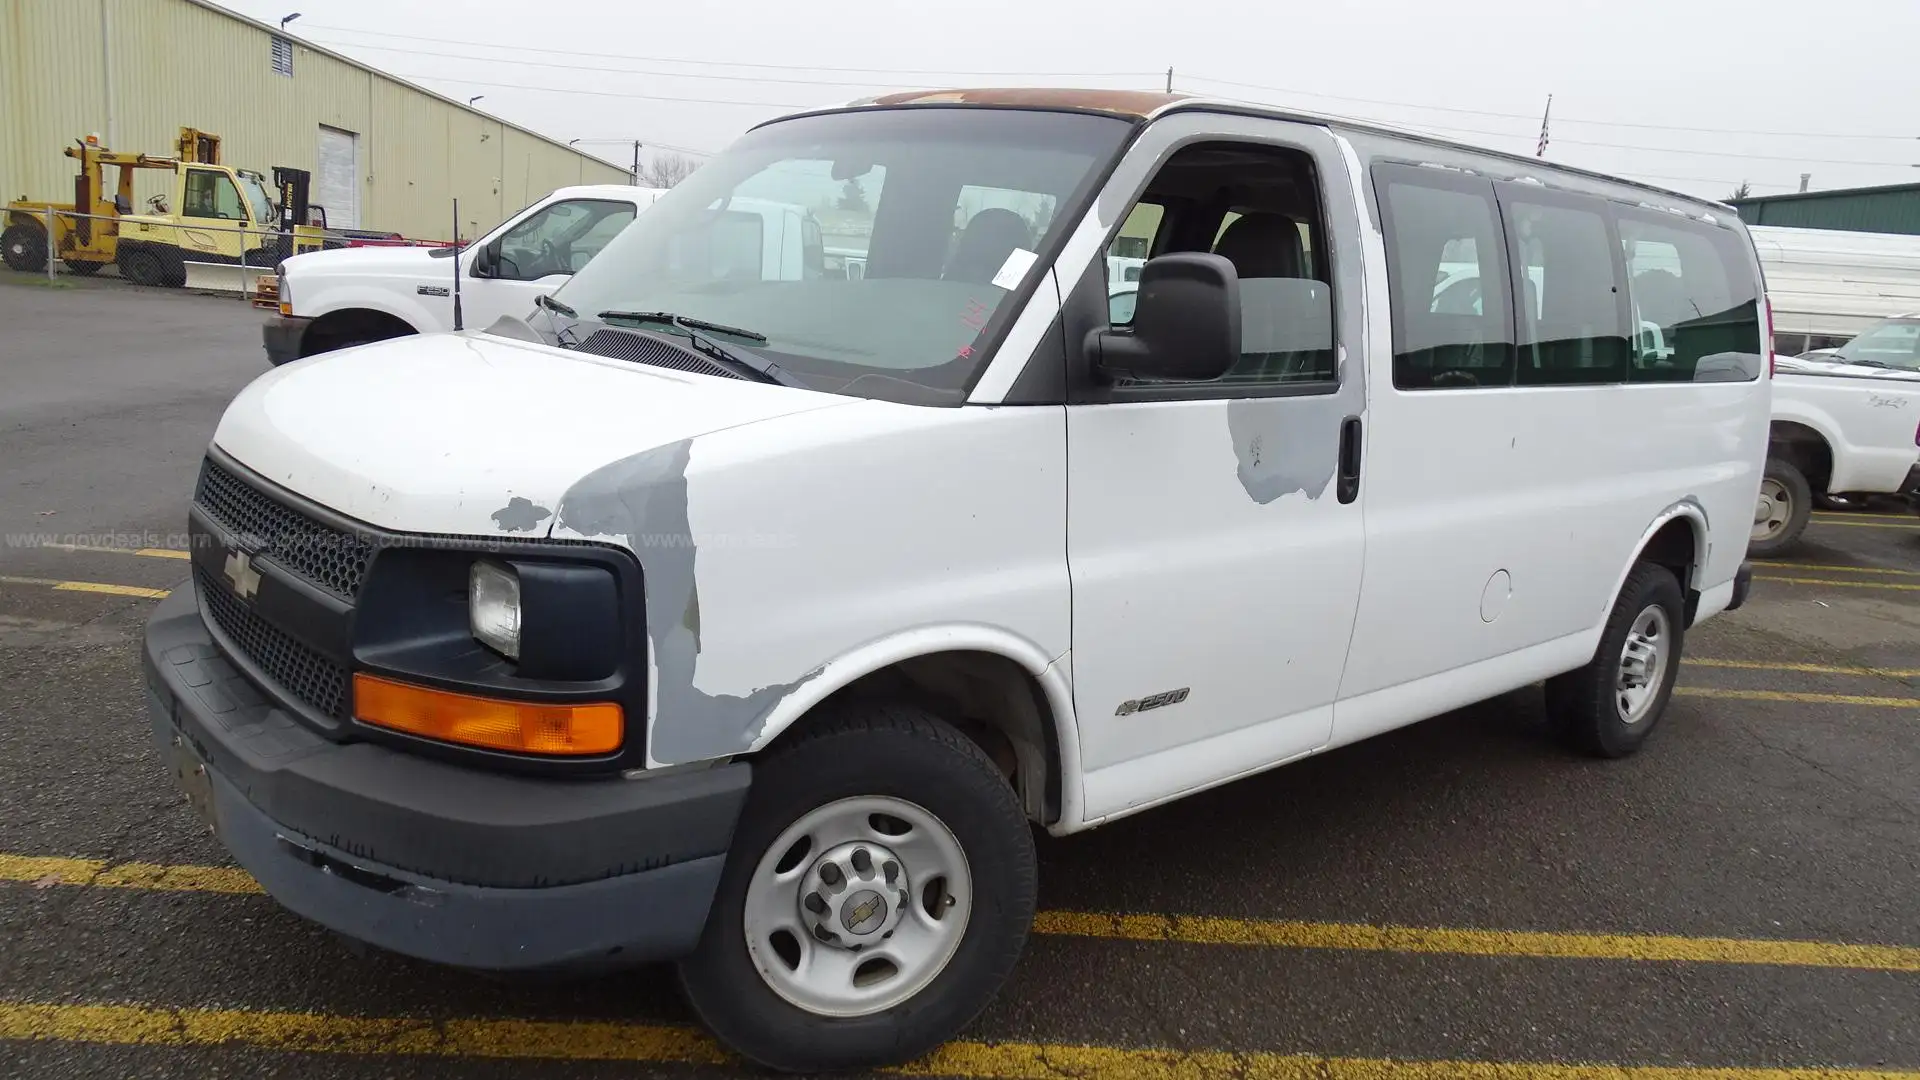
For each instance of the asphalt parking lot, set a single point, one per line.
(1458, 900)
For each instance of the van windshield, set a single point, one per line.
(873, 249)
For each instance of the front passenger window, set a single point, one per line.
(1286, 316)
(1258, 207)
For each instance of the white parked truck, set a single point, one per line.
(1840, 430)
(333, 299)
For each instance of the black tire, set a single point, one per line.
(24, 248)
(1790, 485)
(142, 267)
(1583, 706)
(82, 267)
(870, 750)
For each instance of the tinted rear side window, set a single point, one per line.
(1451, 328)
(1571, 320)
(1694, 300)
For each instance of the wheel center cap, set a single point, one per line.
(864, 912)
(854, 895)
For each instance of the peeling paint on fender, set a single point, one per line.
(643, 500)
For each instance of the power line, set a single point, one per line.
(1557, 119)
(611, 93)
(650, 145)
(741, 63)
(1423, 125)
(1045, 74)
(629, 71)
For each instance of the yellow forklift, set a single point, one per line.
(211, 212)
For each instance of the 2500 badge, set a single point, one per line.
(1152, 701)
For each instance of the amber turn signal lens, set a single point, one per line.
(521, 727)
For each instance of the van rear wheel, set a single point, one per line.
(1609, 708)
(1784, 508)
(880, 887)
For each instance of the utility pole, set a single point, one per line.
(1169, 80)
(636, 163)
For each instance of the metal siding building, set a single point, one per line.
(136, 71)
(1894, 208)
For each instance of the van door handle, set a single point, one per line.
(1349, 459)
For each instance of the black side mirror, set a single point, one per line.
(486, 259)
(1186, 323)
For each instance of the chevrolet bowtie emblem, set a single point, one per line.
(241, 574)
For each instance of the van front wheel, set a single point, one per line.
(879, 890)
(1608, 708)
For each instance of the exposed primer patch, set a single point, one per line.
(1285, 445)
(643, 500)
(520, 515)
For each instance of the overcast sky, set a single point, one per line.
(1692, 94)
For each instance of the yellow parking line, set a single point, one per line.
(1786, 695)
(88, 586)
(659, 1044)
(41, 870)
(1179, 929)
(151, 553)
(1356, 937)
(1909, 523)
(1871, 517)
(1808, 669)
(1834, 567)
(1899, 586)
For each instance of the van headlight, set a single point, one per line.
(493, 607)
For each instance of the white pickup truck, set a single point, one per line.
(1840, 430)
(332, 299)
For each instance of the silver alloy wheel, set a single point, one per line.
(857, 906)
(1643, 664)
(1774, 510)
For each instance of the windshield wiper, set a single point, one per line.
(684, 323)
(555, 306)
(765, 369)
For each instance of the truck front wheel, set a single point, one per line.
(142, 267)
(24, 248)
(880, 888)
(1784, 508)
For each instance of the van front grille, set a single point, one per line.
(331, 559)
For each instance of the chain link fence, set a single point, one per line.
(171, 252)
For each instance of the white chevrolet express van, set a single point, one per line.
(753, 623)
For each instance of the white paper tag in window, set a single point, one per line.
(1015, 268)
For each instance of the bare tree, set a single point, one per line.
(666, 170)
(1745, 189)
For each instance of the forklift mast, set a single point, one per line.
(198, 147)
(292, 185)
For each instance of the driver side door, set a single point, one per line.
(536, 255)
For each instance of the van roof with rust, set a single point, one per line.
(1142, 105)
